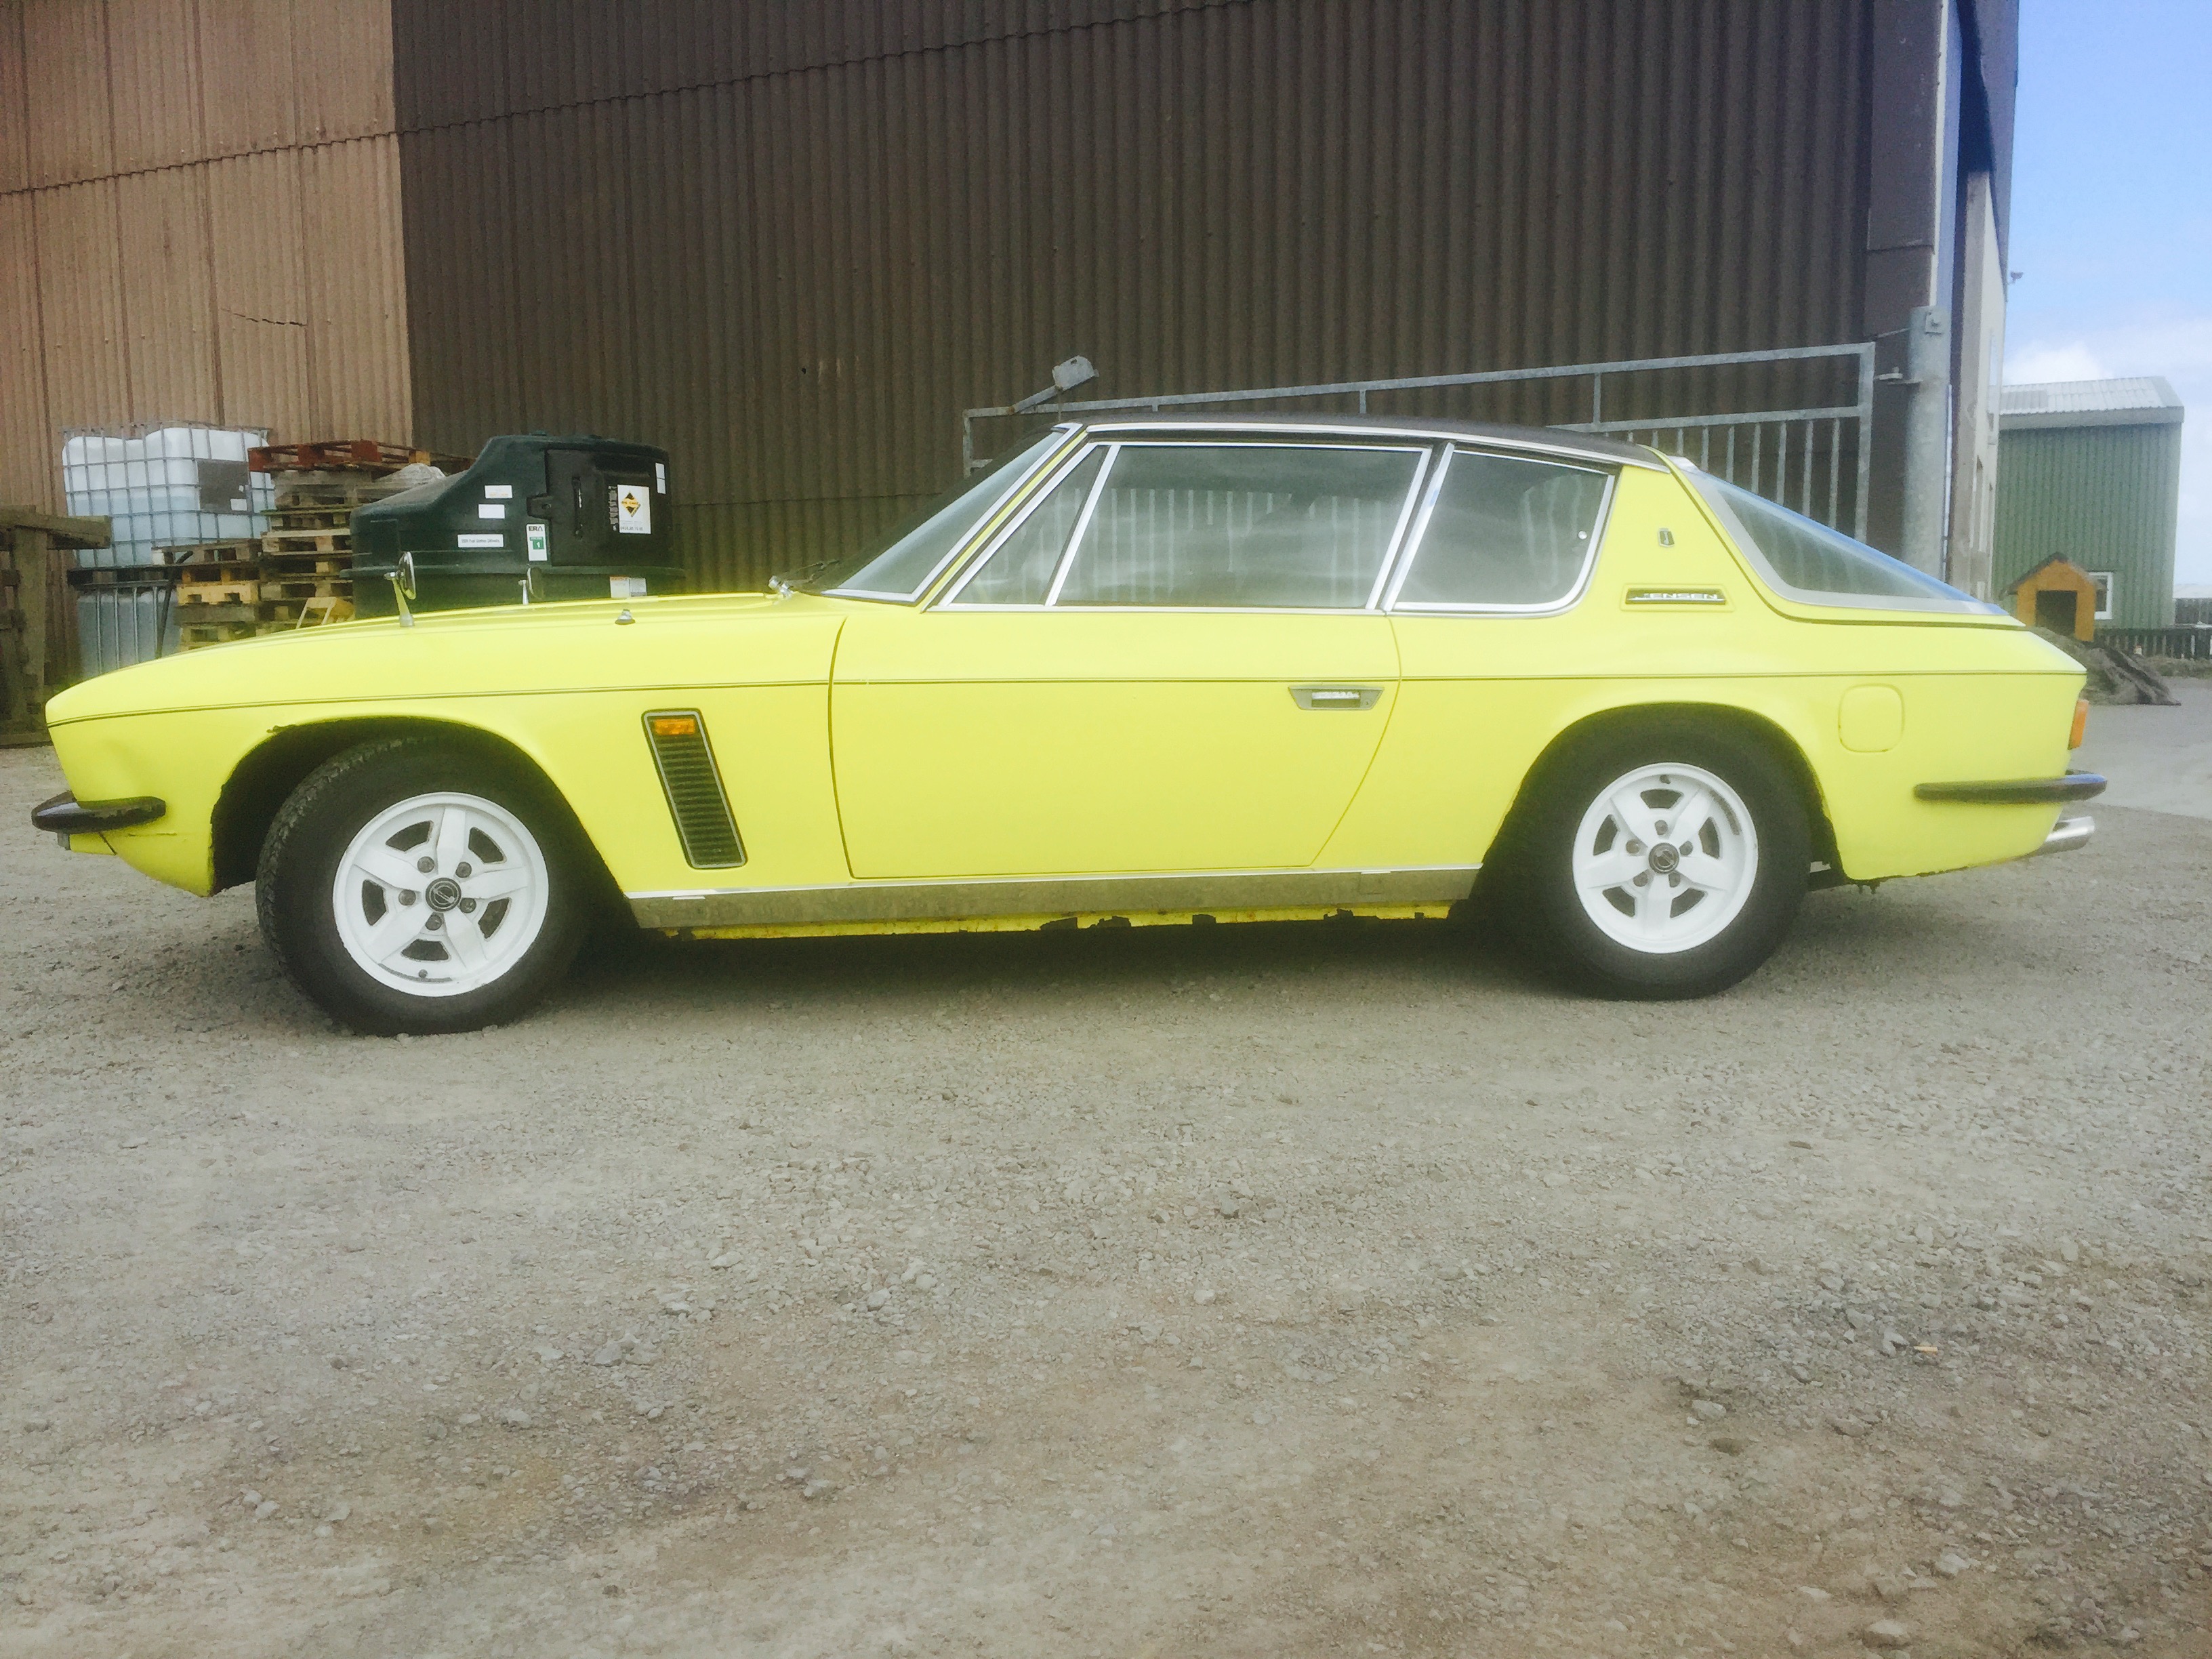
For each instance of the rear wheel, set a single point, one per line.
(1663, 862)
(420, 885)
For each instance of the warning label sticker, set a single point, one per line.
(483, 541)
(633, 510)
(534, 535)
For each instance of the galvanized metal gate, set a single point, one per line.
(1815, 458)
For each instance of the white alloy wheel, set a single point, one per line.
(441, 895)
(1665, 858)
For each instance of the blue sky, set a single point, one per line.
(2111, 215)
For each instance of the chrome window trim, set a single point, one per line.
(1747, 545)
(1549, 607)
(1423, 461)
(985, 525)
(1410, 547)
(1565, 447)
(1068, 462)
(1396, 544)
(1082, 524)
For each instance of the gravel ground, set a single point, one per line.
(1251, 1290)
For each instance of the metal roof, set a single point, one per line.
(2133, 400)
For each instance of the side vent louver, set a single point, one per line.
(701, 811)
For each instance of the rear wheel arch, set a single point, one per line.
(1660, 719)
(265, 779)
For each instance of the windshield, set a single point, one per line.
(918, 549)
(1803, 559)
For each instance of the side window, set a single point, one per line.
(1021, 571)
(1505, 532)
(1241, 526)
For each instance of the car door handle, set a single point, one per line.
(1336, 697)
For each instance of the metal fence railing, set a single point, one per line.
(1815, 456)
(2186, 644)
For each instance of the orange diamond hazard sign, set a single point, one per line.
(633, 511)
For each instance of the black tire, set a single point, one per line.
(298, 873)
(1537, 892)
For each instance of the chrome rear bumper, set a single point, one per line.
(2066, 834)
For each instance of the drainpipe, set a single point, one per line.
(1927, 439)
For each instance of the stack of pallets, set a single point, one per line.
(218, 592)
(299, 573)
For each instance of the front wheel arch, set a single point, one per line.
(265, 779)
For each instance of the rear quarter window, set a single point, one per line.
(1803, 559)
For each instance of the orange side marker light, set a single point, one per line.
(2080, 722)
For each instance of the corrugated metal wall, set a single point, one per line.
(2103, 496)
(791, 243)
(200, 220)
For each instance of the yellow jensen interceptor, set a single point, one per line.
(1150, 670)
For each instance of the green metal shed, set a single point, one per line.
(2090, 470)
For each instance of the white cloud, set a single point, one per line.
(2072, 361)
(2178, 348)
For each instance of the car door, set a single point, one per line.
(1172, 661)
(1496, 648)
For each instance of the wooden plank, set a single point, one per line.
(336, 562)
(344, 455)
(194, 594)
(295, 588)
(73, 532)
(34, 547)
(310, 517)
(307, 541)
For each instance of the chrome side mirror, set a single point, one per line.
(402, 589)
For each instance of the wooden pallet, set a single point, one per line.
(344, 455)
(274, 589)
(246, 590)
(336, 562)
(305, 492)
(209, 612)
(280, 542)
(310, 517)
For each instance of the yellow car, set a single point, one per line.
(1146, 671)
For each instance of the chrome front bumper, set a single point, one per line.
(2066, 834)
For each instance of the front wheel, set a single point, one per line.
(1660, 863)
(416, 886)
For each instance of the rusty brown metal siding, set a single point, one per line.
(791, 243)
(200, 220)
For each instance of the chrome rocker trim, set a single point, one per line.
(932, 901)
